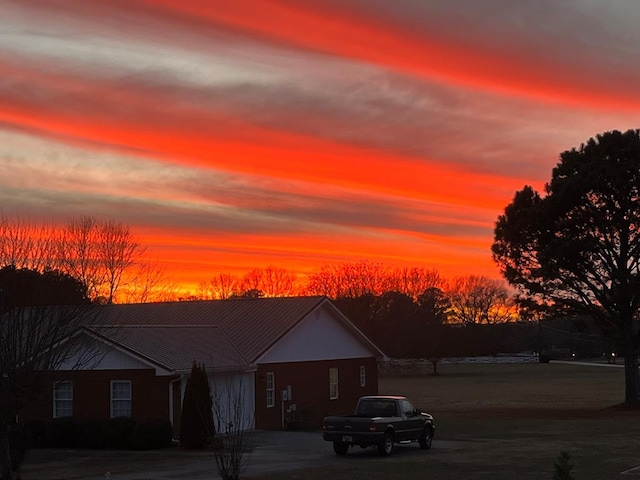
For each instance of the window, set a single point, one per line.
(371, 407)
(363, 376)
(271, 389)
(407, 408)
(62, 399)
(333, 383)
(120, 398)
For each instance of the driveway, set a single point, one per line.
(271, 451)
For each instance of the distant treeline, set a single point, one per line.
(403, 328)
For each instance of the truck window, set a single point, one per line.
(376, 408)
(407, 408)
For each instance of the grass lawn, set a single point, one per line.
(505, 422)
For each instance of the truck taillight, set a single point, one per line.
(372, 427)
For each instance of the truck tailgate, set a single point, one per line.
(347, 424)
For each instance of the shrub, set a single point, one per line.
(90, 433)
(118, 431)
(18, 445)
(151, 433)
(37, 433)
(563, 467)
(62, 432)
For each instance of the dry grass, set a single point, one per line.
(534, 386)
(505, 422)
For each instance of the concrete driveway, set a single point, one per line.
(274, 452)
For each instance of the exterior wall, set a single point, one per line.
(310, 391)
(92, 394)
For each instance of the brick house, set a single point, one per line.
(290, 361)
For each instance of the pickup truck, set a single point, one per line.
(379, 421)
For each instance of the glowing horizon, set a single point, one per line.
(303, 133)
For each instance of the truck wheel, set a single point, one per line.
(386, 447)
(426, 438)
(341, 448)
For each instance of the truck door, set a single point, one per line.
(413, 422)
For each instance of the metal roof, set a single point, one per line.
(165, 346)
(218, 333)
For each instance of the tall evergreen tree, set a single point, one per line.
(196, 423)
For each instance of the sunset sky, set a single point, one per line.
(233, 134)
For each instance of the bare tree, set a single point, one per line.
(78, 253)
(117, 251)
(479, 299)
(220, 287)
(98, 253)
(232, 423)
(36, 338)
(24, 244)
(271, 281)
(167, 291)
(365, 278)
(35, 341)
(148, 282)
(415, 281)
(349, 280)
(279, 282)
(326, 281)
(251, 281)
(226, 285)
(205, 290)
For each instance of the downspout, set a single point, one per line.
(171, 405)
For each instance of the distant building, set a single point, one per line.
(294, 360)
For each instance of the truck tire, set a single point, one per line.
(426, 437)
(386, 447)
(341, 448)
